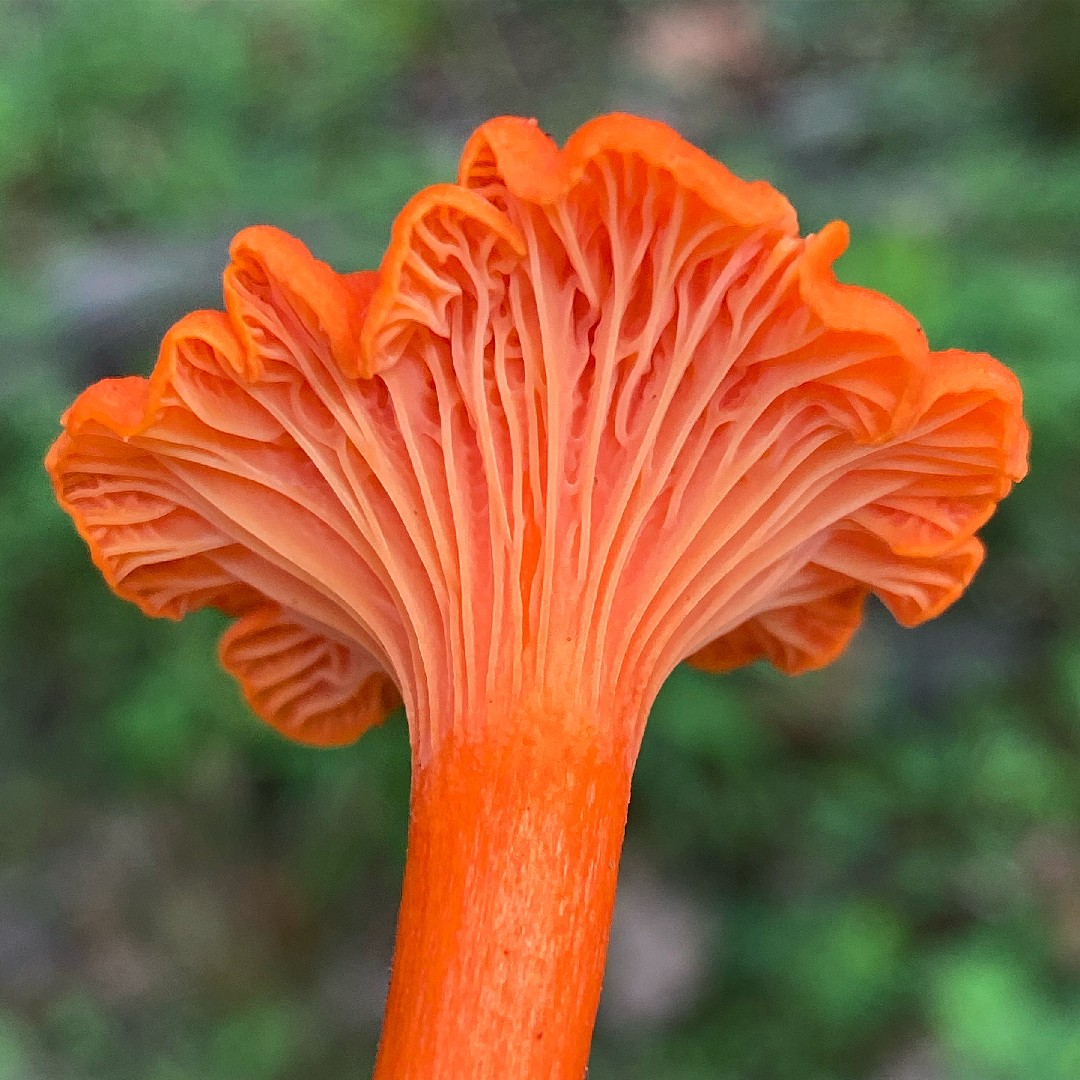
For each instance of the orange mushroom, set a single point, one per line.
(599, 410)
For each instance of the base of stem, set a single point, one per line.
(506, 907)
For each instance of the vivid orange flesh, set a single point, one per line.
(600, 410)
(505, 910)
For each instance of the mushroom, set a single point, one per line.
(599, 410)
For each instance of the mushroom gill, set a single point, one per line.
(599, 410)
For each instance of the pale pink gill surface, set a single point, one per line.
(600, 410)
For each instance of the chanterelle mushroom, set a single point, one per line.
(599, 410)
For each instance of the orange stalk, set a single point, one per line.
(509, 887)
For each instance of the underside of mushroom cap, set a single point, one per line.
(600, 409)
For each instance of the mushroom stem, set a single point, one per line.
(506, 906)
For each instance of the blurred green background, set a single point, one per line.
(870, 873)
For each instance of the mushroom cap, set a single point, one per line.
(601, 409)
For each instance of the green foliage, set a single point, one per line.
(997, 1015)
(15, 1056)
(153, 114)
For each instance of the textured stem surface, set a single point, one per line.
(506, 907)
